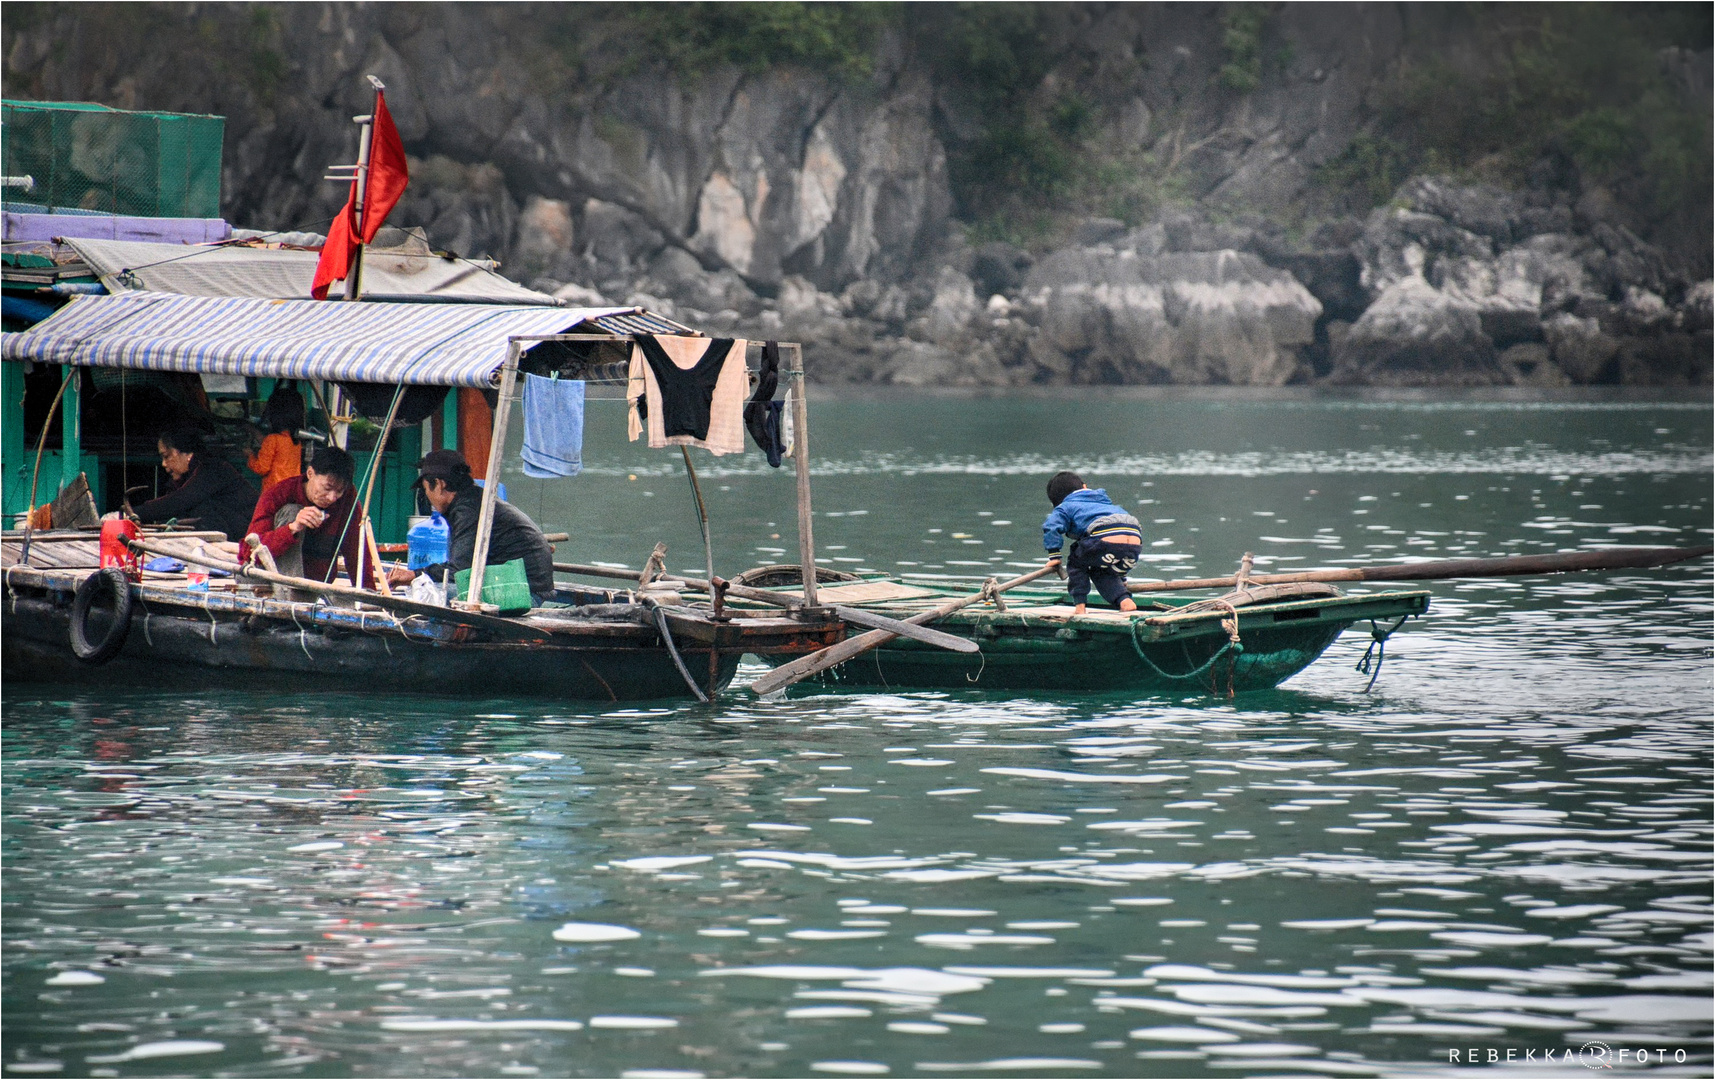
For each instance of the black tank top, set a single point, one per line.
(685, 392)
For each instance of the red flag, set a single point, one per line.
(387, 172)
(384, 184)
(337, 249)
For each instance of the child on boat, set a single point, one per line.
(1104, 541)
(280, 457)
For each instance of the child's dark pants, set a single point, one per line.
(1102, 564)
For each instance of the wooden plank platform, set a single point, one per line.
(55, 555)
(869, 592)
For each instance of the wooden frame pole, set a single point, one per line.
(491, 481)
(801, 464)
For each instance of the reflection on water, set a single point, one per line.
(1506, 845)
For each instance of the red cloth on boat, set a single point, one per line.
(384, 183)
(319, 543)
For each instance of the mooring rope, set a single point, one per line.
(673, 651)
(1378, 647)
(1233, 648)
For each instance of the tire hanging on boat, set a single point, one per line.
(100, 651)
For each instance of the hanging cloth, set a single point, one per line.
(688, 391)
(553, 426)
(762, 414)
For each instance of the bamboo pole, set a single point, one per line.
(365, 143)
(35, 475)
(805, 666)
(491, 481)
(801, 465)
(368, 490)
(702, 521)
(505, 627)
(859, 616)
(375, 556)
(1632, 558)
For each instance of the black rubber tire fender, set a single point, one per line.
(107, 580)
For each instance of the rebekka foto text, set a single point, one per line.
(1592, 1055)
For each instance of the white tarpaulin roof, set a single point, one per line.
(280, 274)
(419, 344)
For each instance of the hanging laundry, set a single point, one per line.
(762, 414)
(553, 426)
(688, 391)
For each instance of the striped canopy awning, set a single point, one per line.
(416, 344)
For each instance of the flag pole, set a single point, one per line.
(354, 281)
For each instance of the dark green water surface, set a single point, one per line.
(1505, 847)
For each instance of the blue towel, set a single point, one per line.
(553, 426)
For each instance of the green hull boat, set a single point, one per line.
(1251, 640)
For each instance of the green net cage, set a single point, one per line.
(91, 159)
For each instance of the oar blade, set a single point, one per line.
(938, 638)
(839, 652)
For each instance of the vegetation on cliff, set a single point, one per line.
(1582, 92)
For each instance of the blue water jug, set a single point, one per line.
(427, 542)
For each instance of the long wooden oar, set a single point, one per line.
(503, 627)
(1631, 558)
(805, 666)
(859, 616)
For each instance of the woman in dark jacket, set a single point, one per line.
(203, 487)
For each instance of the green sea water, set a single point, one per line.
(1503, 848)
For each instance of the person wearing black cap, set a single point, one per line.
(449, 488)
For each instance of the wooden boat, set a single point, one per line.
(1252, 640)
(606, 645)
(611, 646)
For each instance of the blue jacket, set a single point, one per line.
(1074, 516)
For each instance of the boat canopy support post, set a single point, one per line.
(801, 464)
(71, 428)
(702, 522)
(491, 479)
(368, 490)
(36, 473)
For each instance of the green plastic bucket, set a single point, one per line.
(505, 585)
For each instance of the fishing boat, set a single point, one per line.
(1257, 632)
(1253, 641)
(1032, 639)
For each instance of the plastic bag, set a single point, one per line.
(425, 590)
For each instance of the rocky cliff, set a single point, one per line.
(1001, 195)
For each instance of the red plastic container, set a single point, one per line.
(114, 534)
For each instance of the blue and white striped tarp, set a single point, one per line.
(432, 344)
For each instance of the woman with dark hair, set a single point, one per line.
(201, 487)
(308, 521)
(280, 457)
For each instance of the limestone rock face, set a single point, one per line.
(545, 239)
(1459, 276)
(1114, 315)
(1580, 347)
(789, 203)
(1417, 335)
